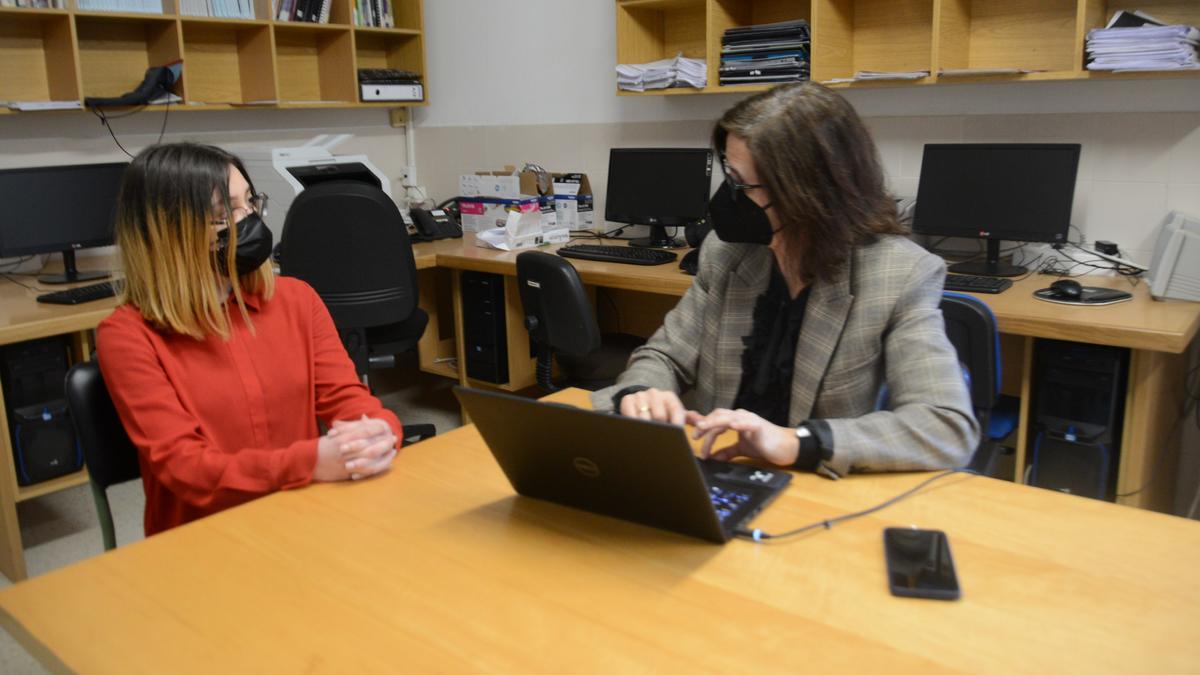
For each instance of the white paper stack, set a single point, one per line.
(677, 72)
(1150, 46)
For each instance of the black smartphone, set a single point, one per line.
(919, 564)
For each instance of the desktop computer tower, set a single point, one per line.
(1078, 407)
(484, 335)
(43, 438)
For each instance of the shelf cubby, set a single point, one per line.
(387, 49)
(650, 30)
(726, 14)
(1032, 35)
(882, 35)
(407, 14)
(315, 64)
(37, 57)
(115, 51)
(227, 62)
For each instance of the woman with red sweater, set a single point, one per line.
(220, 371)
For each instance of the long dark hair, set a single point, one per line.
(821, 169)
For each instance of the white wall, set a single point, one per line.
(514, 62)
(513, 82)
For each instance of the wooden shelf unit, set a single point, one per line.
(1044, 39)
(70, 54)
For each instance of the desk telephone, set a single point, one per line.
(433, 224)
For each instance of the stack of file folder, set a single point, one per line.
(766, 53)
(677, 72)
(1135, 41)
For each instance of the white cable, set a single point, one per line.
(410, 147)
(1113, 258)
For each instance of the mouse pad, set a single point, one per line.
(1091, 295)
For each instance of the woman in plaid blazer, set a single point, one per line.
(808, 299)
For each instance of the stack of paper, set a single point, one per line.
(890, 75)
(677, 72)
(1135, 41)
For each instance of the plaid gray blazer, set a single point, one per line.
(877, 322)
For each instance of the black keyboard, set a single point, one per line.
(972, 284)
(727, 500)
(631, 255)
(74, 296)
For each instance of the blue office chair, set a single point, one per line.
(971, 328)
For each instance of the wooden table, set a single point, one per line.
(635, 298)
(438, 566)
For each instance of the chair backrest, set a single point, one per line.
(971, 327)
(558, 313)
(347, 240)
(108, 453)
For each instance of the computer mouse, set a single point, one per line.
(1067, 288)
(690, 263)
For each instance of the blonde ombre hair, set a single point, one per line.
(168, 202)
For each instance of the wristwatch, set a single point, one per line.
(805, 434)
(810, 448)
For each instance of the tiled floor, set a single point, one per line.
(61, 528)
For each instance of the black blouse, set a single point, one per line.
(767, 363)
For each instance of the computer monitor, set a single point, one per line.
(59, 209)
(659, 187)
(996, 191)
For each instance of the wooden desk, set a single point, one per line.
(1157, 333)
(438, 566)
(23, 318)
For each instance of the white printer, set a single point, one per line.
(1175, 271)
(283, 173)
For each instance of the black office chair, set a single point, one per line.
(107, 451)
(562, 324)
(347, 240)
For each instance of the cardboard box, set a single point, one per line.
(573, 201)
(507, 183)
(484, 213)
(486, 197)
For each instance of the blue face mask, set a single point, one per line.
(737, 219)
(254, 242)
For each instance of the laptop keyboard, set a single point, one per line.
(727, 501)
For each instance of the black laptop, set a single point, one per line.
(618, 466)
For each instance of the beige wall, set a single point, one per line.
(1134, 167)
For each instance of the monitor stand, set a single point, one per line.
(658, 239)
(70, 274)
(992, 267)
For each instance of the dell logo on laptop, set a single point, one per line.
(586, 467)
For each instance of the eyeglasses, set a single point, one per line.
(732, 182)
(257, 203)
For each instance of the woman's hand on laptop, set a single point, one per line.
(757, 438)
(654, 404)
(355, 449)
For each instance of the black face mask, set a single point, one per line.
(253, 244)
(737, 219)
